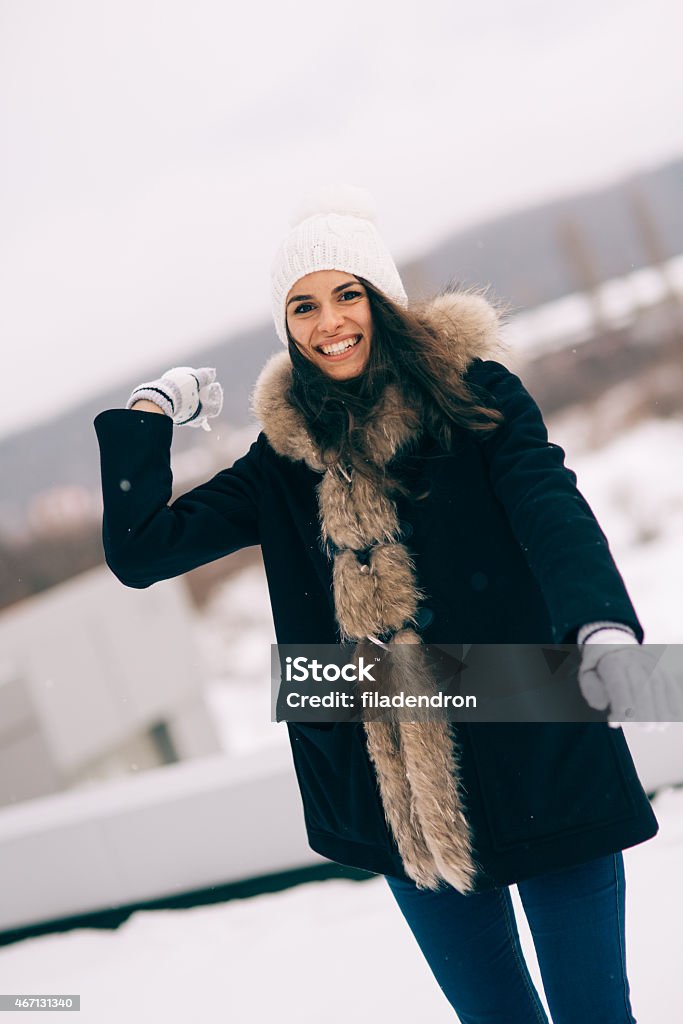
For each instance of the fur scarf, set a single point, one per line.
(376, 592)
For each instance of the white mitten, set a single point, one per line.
(620, 674)
(188, 395)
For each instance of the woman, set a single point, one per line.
(403, 488)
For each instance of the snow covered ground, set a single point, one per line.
(330, 951)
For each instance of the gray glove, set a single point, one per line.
(188, 395)
(627, 679)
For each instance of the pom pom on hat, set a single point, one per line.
(333, 228)
(347, 200)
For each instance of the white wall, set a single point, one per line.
(87, 667)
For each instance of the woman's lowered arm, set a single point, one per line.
(557, 530)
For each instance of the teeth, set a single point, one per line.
(341, 346)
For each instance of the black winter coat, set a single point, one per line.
(508, 550)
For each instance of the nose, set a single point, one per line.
(331, 318)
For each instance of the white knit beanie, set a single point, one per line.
(333, 229)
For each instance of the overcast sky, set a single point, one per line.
(152, 150)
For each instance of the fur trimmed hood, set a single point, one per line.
(468, 325)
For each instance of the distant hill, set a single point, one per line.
(521, 255)
(524, 255)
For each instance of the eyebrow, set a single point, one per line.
(339, 288)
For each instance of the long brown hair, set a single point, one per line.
(405, 352)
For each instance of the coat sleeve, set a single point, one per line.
(144, 538)
(562, 541)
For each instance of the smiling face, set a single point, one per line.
(330, 320)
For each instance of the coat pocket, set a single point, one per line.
(338, 784)
(541, 780)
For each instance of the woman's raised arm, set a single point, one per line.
(145, 539)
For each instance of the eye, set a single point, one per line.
(301, 307)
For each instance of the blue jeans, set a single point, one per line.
(576, 918)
